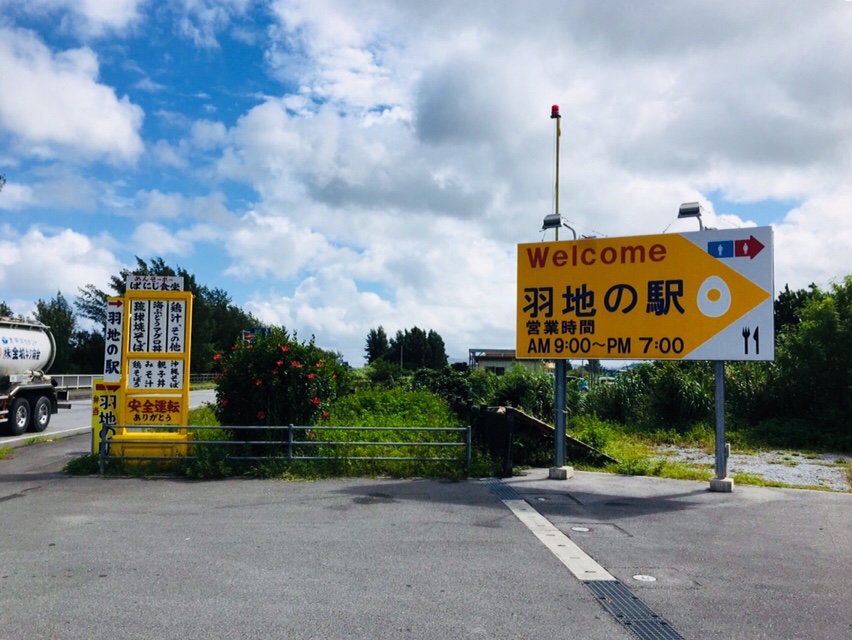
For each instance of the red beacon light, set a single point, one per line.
(554, 111)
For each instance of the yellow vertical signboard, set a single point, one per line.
(106, 410)
(156, 358)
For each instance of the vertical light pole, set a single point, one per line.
(554, 115)
(559, 471)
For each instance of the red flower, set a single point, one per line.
(295, 363)
(334, 376)
(311, 376)
(325, 415)
(224, 402)
(285, 349)
(217, 356)
(319, 364)
(261, 415)
(312, 435)
(259, 382)
(279, 362)
(316, 400)
(275, 372)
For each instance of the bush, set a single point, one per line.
(623, 401)
(677, 396)
(278, 381)
(528, 391)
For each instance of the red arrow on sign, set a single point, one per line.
(747, 248)
(114, 303)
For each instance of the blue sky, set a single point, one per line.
(339, 165)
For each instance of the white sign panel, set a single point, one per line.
(176, 326)
(155, 374)
(154, 283)
(139, 321)
(114, 333)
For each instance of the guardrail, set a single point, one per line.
(84, 380)
(294, 443)
(78, 381)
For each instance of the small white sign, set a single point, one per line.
(176, 338)
(155, 374)
(113, 339)
(154, 283)
(139, 321)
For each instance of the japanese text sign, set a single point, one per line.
(113, 339)
(692, 296)
(105, 410)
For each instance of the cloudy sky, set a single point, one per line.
(336, 165)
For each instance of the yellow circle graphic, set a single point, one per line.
(714, 297)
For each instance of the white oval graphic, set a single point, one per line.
(714, 297)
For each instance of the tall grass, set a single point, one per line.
(338, 450)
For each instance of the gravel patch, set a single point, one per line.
(791, 468)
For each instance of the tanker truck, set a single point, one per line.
(28, 397)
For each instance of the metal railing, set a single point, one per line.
(84, 380)
(78, 381)
(299, 443)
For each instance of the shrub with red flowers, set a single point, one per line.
(276, 381)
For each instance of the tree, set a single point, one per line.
(416, 349)
(377, 344)
(789, 305)
(812, 372)
(5, 311)
(91, 303)
(59, 316)
(216, 322)
(2, 181)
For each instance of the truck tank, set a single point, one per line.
(25, 347)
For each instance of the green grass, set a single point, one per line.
(6, 453)
(755, 479)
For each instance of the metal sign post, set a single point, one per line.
(721, 483)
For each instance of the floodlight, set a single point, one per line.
(692, 210)
(551, 221)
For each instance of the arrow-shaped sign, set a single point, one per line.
(644, 297)
(747, 248)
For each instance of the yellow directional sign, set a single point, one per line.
(698, 296)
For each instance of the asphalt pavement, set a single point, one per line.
(382, 558)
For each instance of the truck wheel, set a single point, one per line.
(41, 414)
(19, 416)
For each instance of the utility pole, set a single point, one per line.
(559, 471)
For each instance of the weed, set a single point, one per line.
(83, 466)
(5, 453)
(787, 462)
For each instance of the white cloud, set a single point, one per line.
(152, 239)
(812, 244)
(86, 18)
(58, 107)
(202, 20)
(37, 264)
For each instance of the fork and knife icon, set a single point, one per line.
(746, 334)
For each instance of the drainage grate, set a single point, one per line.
(501, 489)
(631, 611)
